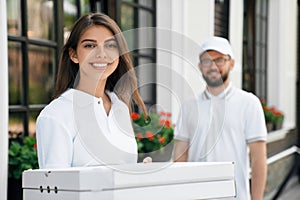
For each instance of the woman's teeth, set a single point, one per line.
(100, 65)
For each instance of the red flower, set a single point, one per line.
(278, 114)
(162, 140)
(139, 136)
(149, 135)
(162, 122)
(166, 114)
(165, 122)
(161, 113)
(135, 116)
(35, 146)
(168, 123)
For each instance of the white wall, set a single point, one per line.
(3, 101)
(236, 39)
(282, 65)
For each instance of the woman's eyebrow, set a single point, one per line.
(110, 39)
(88, 40)
(91, 40)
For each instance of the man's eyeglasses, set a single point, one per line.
(220, 62)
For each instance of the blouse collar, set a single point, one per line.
(83, 99)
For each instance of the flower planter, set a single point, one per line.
(270, 126)
(278, 125)
(273, 116)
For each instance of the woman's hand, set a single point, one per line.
(147, 160)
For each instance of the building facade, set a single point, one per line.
(164, 38)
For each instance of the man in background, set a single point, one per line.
(224, 122)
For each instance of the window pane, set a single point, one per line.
(127, 23)
(127, 17)
(13, 17)
(16, 124)
(264, 8)
(132, 1)
(146, 3)
(85, 6)
(258, 7)
(32, 123)
(264, 30)
(15, 73)
(70, 14)
(147, 73)
(40, 19)
(145, 18)
(134, 17)
(146, 39)
(41, 71)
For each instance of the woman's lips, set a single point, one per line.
(100, 65)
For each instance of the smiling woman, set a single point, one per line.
(97, 56)
(89, 121)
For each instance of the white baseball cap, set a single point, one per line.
(216, 44)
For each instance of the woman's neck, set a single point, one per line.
(97, 90)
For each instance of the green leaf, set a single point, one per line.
(22, 156)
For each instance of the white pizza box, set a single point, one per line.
(197, 180)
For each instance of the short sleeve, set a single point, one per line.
(188, 121)
(255, 125)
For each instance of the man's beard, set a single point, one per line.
(216, 83)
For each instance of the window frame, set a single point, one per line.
(24, 40)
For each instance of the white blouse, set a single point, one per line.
(74, 130)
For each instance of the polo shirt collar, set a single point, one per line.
(225, 94)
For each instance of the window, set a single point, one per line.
(222, 18)
(134, 15)
(33, 45)
(255, 47)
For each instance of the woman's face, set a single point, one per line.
(97, 54)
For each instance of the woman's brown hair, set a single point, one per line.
(127, 90)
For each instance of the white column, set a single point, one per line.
(3, 101)
(236, 17)
(188, 23)
(282, 58)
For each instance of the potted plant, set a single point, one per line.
(274, 117)
(22, 155)
(154, 136)
(278, 119)
(269, 118)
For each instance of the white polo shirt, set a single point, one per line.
(74, 130)
(242, 122)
